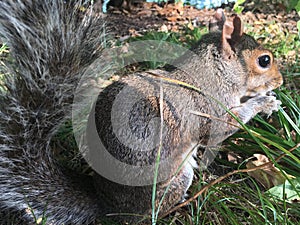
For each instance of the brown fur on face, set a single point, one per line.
(260, 79)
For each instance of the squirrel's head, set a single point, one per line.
(259, 64)
(263, 73)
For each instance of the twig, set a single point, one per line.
(213, 118)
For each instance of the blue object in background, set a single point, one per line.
(104, 6)
(199, 4)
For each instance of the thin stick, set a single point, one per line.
(158, 157)
(213, 118)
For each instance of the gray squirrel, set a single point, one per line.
(52, 43)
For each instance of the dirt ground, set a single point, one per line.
(171, 17)
(272, 21)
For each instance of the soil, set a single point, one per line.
(152, 16)
(261, 18)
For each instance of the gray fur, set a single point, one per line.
(50, 48)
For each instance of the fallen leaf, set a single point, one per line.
(269, 176)
(164, 28)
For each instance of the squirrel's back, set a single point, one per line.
(51, 44)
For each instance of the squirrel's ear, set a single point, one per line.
(218, 21)
(231, 33)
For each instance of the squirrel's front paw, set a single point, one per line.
(266, 104)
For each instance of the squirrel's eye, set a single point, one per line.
(264, 61)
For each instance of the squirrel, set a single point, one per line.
(52, 43)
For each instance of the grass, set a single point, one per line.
(151, 58)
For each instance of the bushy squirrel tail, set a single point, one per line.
(51, 43)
